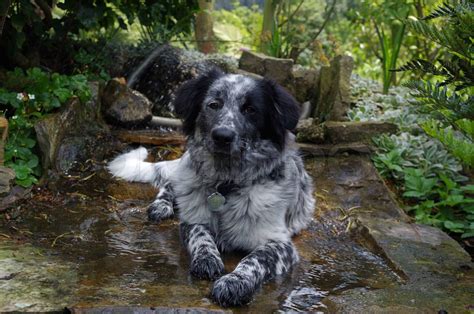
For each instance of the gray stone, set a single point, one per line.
(353, 131)
(333, 96)
(305, 82)
(436, 272)
(76, 123)
(125, 106)
(277, 69)
(310, 131)
(330, 150)
(7, 176)
(170, 68)
(252, 62)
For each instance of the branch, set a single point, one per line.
(292, 14)
(3, 14)
(48, 16)
(331, 9)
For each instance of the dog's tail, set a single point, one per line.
(132, 167)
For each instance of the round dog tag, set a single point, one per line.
(215, 201)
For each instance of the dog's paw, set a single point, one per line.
(232, 290)
(208, 266)
(159, 210)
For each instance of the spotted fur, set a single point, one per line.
(269, 195)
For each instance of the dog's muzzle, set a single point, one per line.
(223, 138)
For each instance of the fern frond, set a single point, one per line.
(466, 126)
(437, 97)
(459, 146)
(443, 10)
(445, 37)
(420, 65)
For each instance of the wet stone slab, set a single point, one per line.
(79, 244)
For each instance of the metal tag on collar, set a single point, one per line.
(215, 201)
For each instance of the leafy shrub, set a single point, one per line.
(430, 181)
(395, 107)
(291, 29)
(398, 152)
(26, 97)
(30, 28)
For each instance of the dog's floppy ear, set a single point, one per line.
(284, 111)
(287, 109)
(190, 96)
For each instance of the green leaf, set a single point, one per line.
(454, 226)
(33, 162)
(22, 171)
(63, 94)
(467, 235)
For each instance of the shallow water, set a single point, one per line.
(87, 249)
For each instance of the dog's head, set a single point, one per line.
(230, 112)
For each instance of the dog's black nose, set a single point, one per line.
(223, 135)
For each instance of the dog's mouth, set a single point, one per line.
(226, 150)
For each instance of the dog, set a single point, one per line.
(240, 185)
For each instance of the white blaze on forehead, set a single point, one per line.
(234, 85)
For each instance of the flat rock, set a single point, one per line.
(331, 150)
(360, 254)
(437, 273)
(123, 190)
(345, 132)
(310, 131)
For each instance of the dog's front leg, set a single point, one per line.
(162, 206)
(263, 264)
(206, 262)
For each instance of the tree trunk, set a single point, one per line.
(3, 14)
(268, 27)
(203, 29)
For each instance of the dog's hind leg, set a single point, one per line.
(263, 264)
(162, 206)
(206, 262)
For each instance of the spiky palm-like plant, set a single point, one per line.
(449, 94)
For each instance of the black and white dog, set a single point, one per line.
(240, 185)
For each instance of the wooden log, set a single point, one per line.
(152, 138)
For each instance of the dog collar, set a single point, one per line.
(218, 198)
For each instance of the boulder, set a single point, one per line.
(167, 69)
(277, 69)
(7, 176)
(333, 95)
(74, 134)
(125, 106)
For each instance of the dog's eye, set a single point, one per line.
(247, 109)
(214, 105)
